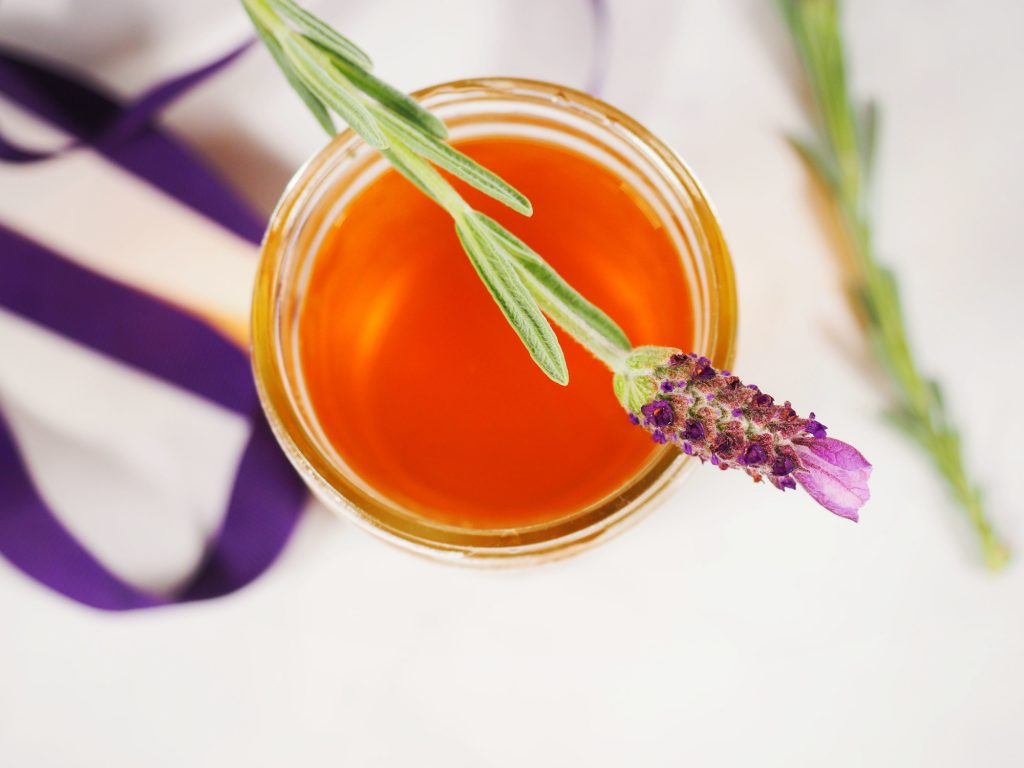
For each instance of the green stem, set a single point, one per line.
(920, 410)
(425, 176)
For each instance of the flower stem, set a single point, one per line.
(842, 160)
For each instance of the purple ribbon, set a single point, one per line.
(140, 331)
(125, 135)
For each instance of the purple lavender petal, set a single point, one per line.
(659, 413)
(783, 466)
(754, 454)
(815, 428)
(705, 372)
(693, 430)
(835, 474)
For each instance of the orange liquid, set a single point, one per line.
(424, 389)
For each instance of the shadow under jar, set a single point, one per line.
(396, 387)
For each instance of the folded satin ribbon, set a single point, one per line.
(140, 331)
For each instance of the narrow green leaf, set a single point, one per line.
(867, 129)
(322, 33)
(905, 422)
(816, 161)
(455, 162)
(315, 105)
(885, 293)
(573, 309)
(331, 87)
(392, 98)
(513, 299)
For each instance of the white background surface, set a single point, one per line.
(733, 626)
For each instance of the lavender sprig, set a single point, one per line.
(678, 397)
(332, 75)
(682, 400)
(842, 159)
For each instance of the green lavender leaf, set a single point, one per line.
(456, 163)
(512, 298)
(315, 105)
(937, 396)
(816, 160)
(394, 99)
(332, 89)
(491, 262)
(868, 132)
(582, 320)
(322, 33)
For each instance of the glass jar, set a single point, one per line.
(318, 195)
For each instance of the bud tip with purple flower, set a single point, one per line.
(681, 399)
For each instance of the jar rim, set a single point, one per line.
(541, 541)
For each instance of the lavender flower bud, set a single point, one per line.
(681, 399)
